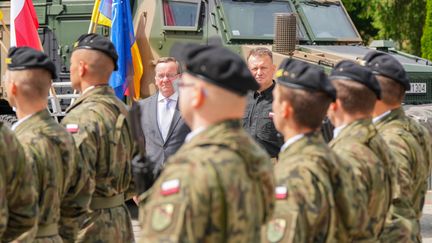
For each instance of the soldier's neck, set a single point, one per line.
(381, 107)
(26, 109)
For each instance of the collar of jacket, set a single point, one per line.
(394, 114)
(361, 130)
(97, 90)
(42, 115)
(304, 145)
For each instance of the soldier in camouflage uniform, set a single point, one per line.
(18, 198)
(357, 141)
(305, 207)
(218, 187)
(410, 144)
(97, 121)
(61, 179)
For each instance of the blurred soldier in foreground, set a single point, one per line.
(60, 178)
(356, 140)
(97, 121)
(18, 198)
(410, 144)
(258, 119)
(305, 207)
(219, 186)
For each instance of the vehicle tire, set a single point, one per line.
(8, 120)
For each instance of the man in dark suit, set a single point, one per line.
(163, 127)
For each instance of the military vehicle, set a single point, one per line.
(323, 35)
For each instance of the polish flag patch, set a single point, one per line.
(170, 187)
(271, 115)
(281, 192)
(72, 128)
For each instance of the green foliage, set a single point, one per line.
(426, 41)
(399, 20)
(358, 11)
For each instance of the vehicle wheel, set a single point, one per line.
(8, 120)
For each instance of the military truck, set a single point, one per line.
(324, 34)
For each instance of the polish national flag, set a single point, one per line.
(24, 24)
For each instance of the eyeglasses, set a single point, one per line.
(168, 76)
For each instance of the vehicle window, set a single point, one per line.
(254, 19)
(180, 13)
(328, 21)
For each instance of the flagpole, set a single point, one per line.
(3, 46)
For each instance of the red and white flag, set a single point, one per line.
(24, 24)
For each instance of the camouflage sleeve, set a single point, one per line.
(361, 189)
(401, 224)
(350, 197)
(176, 209)
(21, 194)
(303, 209)
(85, 140)
(75, 203)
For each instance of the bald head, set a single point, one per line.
(98, 66)
(31, 84)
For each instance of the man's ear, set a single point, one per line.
(82, 68)
(199, 96)
(287, 109)
(334, 105)
(13, 88)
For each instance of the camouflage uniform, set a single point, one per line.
(410, 144)
(61, 177)
(217, 188)
(97, 120)
(351, 204)
(360, 144)
(305, 208)
(18, 197)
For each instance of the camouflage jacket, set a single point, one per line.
(97, 121)
(61, 181)
(18, 197)
(218, 187)
(305, 208)
(410, 144)
(360, 144)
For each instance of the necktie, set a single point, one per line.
(166, 118)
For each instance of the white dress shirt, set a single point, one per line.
(290, 141)
(165, 112)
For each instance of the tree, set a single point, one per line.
(358, 11)
(426, 41)
(399, 20)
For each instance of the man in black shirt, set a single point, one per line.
(258, 116)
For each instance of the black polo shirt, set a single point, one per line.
(259, 124)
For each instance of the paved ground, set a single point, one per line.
(426, 221)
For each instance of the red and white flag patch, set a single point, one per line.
(170, 187)
(72, 128)
(281, 192)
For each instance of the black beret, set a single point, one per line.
(349, 70)
(217, 65)
(386, 65)
(99, 43)
(301, 75)
(21, 58)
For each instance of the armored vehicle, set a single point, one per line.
(323, 35)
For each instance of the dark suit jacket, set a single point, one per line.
(156, 149)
